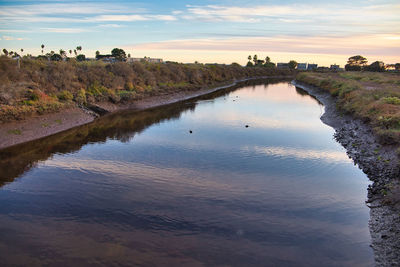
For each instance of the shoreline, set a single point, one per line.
(40, 126)
(375, 160)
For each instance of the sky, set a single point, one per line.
(220, 31)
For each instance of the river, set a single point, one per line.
(248, 176)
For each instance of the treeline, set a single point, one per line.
(360, 63)
(40, 86)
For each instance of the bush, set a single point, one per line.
(80, 97)
(392, 100)
(65, 96)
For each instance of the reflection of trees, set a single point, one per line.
(306, 94)
(123, 126)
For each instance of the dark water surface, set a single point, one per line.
(136, 188)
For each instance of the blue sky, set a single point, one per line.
(208, 31)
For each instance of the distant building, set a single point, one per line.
(323, 69)
(282, 65)
(312, 66)
(144, 59)
(302, 66)
(108, 59)
(133, 59)
(154, 60)
(334, 67)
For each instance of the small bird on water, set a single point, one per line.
(190, 131)
(247, 126)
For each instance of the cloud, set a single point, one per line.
(63, 30)
(78, 12)
(11, 38)
(133, 17)
(294, 13)
(376, 44)
(110, 26)
(299, 153)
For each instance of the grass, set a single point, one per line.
(15, 131)
(39, 87)
(371, 97)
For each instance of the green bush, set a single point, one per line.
(80, 97)
(394, 100)
(65, 96)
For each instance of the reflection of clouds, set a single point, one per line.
(277, 93)
(312, 154)
(134, 170)
(259, 122)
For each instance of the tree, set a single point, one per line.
(5, 52)
(81, 57)
(249, 64)
(75, 52)
(397, 66)
(22, 50)
(292, 64)
(55, 57)
(249, 57)
(255, 58)
(42, 46)
(349, 67)
(269, 65)
(79, 48)
(267, 60)
(63, 54)
(356, 63)
(377, 66)
(357, 60)
(129, 55)
(70, 52)
(119, 54)
(97, 53)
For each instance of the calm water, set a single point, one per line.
(136, 188)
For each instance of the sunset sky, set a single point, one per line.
(323, 32)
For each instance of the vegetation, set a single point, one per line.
(41, 86)
(370, 96)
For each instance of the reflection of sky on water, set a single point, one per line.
(281, 191)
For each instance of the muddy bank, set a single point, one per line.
(381, 166)
(36, 127)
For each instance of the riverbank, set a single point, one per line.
(377, 161)
(32, 128)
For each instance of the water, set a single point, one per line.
(136, 188)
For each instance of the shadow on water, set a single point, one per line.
(122, 126)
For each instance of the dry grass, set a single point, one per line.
(372, 97)
(59, 84)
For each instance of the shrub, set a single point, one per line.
(65, 96)
(391, 100)
(80, 97)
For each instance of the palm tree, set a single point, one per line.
(5, 52)
(255, 58)
(75, 52)
(267, 60)
(79, 48)
(63, 54)
(249, 57)
(22, 50)
(70, 52)
(42, 46)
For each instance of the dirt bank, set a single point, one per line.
(377, 161)
(18, 132)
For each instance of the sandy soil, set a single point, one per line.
(17, 132)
